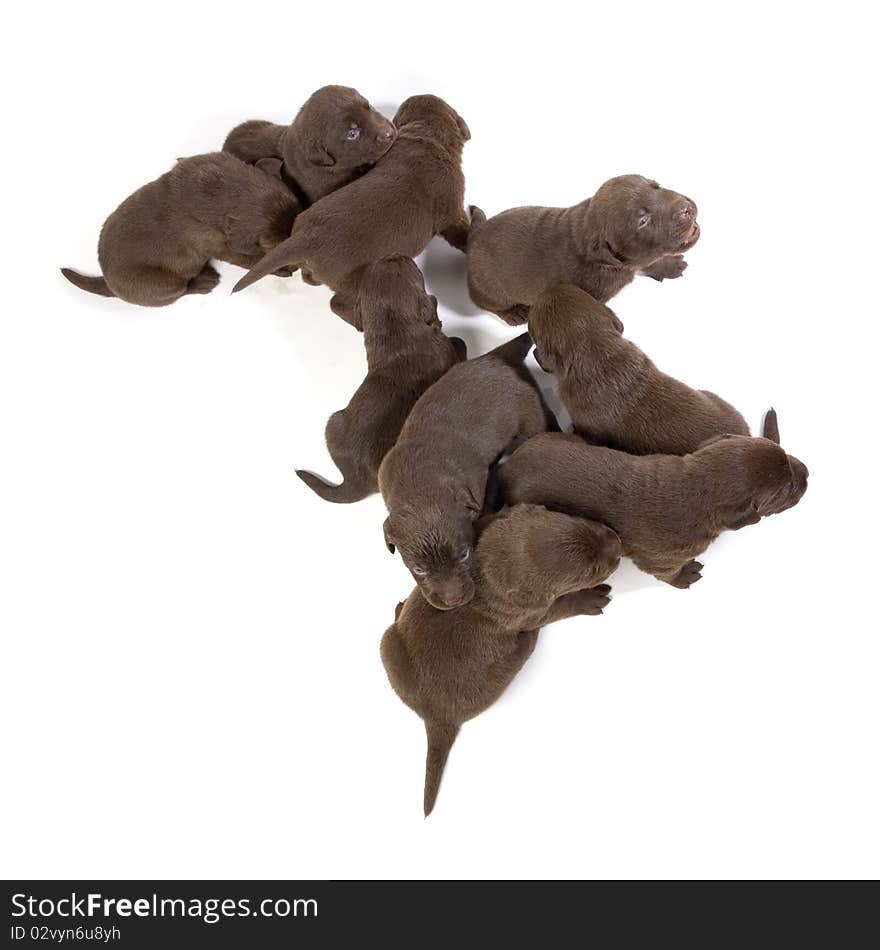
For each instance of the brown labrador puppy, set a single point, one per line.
(631, 224)
(533, 566)
(406, 353)
(616, 396)
(336, 136)
(413, 193)
(156, 246)
(434, 479)
(666, 509)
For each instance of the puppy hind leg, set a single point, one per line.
(590, 601)
(204, 282)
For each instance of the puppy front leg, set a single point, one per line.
(457, 232)
(667, 268)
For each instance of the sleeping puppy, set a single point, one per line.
(630, 225)
(532, 567)
(666, 509)
(434, 479)
(156, 246)
(336, 136)
(616, 396)
(413, 193)
(406, 352)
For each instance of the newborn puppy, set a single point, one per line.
(616, 396)
(156, 245)
(631, 224)
(413, 193)
(336, 136)
(406, 353)
(434, 479)
(666, 509)
(532, 567)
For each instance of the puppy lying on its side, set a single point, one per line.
(434, 479)
(406, 352)
(413, 193)
(336, 136)
(666, 509)
(630, 225)
(616, 396)
(156, 246)
(532, 567)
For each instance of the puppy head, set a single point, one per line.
(393, 289)
(639, 222)
(560, 553)
(436, 544)
(437, 115)
(756, 477)
(563, 320)
(338, 128)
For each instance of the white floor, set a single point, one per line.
(191, 679)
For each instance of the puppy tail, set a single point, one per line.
(350, 490)
(514, 351)
(478, 219)
(441, 735)
(286, 254)
(770, 426)
(94, 285)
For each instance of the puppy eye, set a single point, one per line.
(419, 572)
(465, 554)
(644, 219)
(353, 134)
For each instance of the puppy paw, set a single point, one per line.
(204, 282)
(689, 574)
(667, 268)
(592, 601)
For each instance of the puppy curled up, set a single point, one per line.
(615, 395)
(157, 245)
(334, 138)
(631, 225)
(532, 567)
(406, 352)
(433, 481)
(415, 191)
(666, 509)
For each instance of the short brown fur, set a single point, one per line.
(316, 150)
(666, 509)
(598, 245)
(156, 246)
(615, 395)
(434, 479)
(413, 193)
(406, 352)
(532, 567)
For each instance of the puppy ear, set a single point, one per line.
(429, 310)
(741, 518)
(386, 530)
(463, 128)
(542, 360)
(271, 166)
(318, 155)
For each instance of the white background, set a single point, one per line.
(191, 683)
